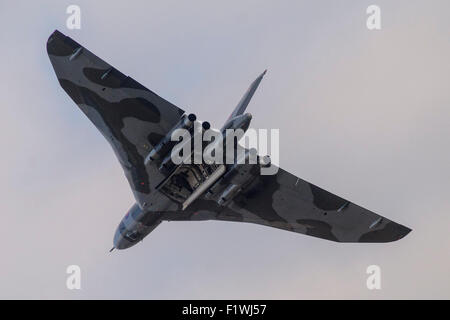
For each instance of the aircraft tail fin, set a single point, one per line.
(245, 100)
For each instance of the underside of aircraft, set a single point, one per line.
(139, 124)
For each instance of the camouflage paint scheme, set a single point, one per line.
(134, 119)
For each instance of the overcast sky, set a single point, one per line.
(364, 114)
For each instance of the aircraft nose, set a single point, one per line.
(120, 242)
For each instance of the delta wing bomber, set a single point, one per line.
(139, 126)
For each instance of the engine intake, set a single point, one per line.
(186, 122)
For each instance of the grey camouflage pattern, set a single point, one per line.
(133, 120)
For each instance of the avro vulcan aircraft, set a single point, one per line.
(138, 125)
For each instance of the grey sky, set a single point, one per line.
(364, 114)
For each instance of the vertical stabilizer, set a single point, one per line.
(245, 100)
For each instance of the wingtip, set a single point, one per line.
(54, 34)
(400, 232)
(405, 232)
